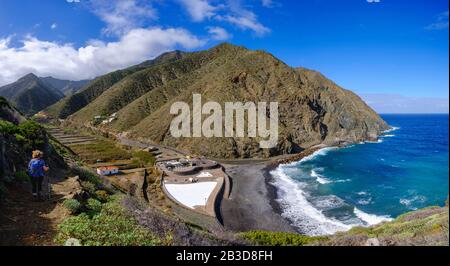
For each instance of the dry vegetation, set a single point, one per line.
(103, 150)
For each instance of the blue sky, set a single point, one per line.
(384, 50)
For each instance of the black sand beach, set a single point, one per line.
(252, 203)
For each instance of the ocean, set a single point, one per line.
(335, 189)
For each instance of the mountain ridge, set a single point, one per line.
(95, 88)
(67, 87)
(30, 94)
(313, 109)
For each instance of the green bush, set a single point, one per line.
(33, 133)
(19, 138)
(86, 175)
(111, 227)
(7, 127)
(102, 195)
(29, 133)
(89, 187)
(94, 205)
(22, 176)
(268, 238)
(143, 158)
(73, 205)
(4, 102)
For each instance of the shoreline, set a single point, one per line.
(273, 164)
(250, 205)
(253, 201)
(273, 190)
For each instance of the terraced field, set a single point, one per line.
(90, 149)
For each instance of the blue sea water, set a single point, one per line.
(364, 184)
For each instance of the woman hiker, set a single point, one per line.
(36, 171)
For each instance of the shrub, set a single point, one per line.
(22, 176)
(143, 158)
(102, 195)
(94, 205)
(33, 133)
(89, 187)
(111, 227)
(268, 238)
(73, 205)
(7, 127)
(19, 138)
(4, 102)
(29, 133)
(87, 175)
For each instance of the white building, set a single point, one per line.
(108, 170)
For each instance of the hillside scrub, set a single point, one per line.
(268, 238)
(111, 226)
(29, 134)
(424, 227)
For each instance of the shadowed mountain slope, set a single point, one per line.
(30, 94)
(312, 109)
(91, 91)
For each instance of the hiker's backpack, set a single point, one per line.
(33, 167)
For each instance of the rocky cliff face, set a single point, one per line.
(312, 109)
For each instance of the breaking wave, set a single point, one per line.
(321, 179)
(371, 219)
(296, 208)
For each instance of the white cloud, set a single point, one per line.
(219, 34)
(247, 21)
(121, 16)
(267, 3)
(243, 18)
(73, 1)
(96, 58)
(230, 11)
(441, 22)
(54, 26)
(199, 9)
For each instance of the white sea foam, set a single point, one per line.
(391, 129)
(388, 135)
(361, 193)
(300, 211)
(408, 201)
(328, 202)
(405, 202)
(312, 156)
(371, 219)
(307, 216)
(321, 179)
(377, 141)
(342, 180)
(365, 201)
